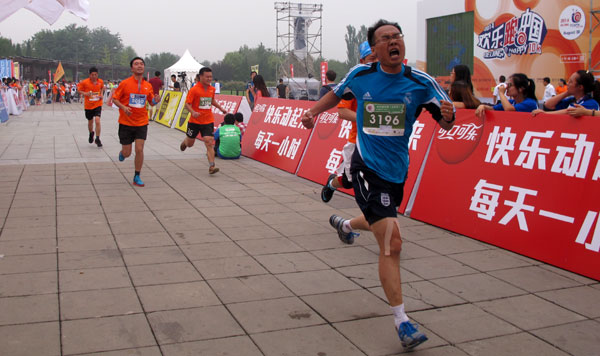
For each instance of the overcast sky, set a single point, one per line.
(212, 28)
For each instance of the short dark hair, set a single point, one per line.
(378, 24)
(547, 79)
(204, 70)
(229, 119)
(253, 72)
(239, 117)
(157, 73)
(173, 76)
(280, 80)
(562, 81)
(330, 74)
(502, 79)
(135, 59)
(93, 70)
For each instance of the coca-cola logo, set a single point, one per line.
(458, 143)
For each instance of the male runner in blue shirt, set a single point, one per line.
(389, 97)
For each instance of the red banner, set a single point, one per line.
(291, 70)
(275, 134)
(526, 184)
(323, 71)
(231, 103)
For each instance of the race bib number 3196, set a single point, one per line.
(384, 119)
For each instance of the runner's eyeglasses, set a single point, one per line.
(386, 38)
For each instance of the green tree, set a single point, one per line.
(353, 40)
(160, 61)
(6, 47)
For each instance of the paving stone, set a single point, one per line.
(177, 296)
(453, 244)
(291, 262)
(34, 233)
(305, 228)
(582, 300)
(349, 256)
(193, 324)
(243, 289)
(27, 263)
(250, 232)
(84, 230)
(274, 314)
(529, 312)
(436, 267)
(314, 340)
(350, 305)
(94, 278)
(29, 309)
(29, 222)
(463, 323)
(212, 250)
(28, 212)
(320, 241)
(150, 239)
(99, 303)
(22, 284)
(490, 260)
(152, 255)
(141, 351)
(198, 236)
(377, 336)
(229, 267)
(579, 338)
(576, 277)
(423, 295)
(105, 334)
(216, 347)
(515, 345)
(316, 282)
(30, 339)
(86, 243)
(478, 287)
(79, 209)
(163, 273)
(269, 246)
(225, 222)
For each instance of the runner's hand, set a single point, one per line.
(307, 120)
(195, 114)
(127, 111)
(447, 110)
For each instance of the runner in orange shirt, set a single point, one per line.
(131, 97)
(199, 102)
(92, 89)
(62, 91)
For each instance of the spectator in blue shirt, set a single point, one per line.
(580, 99)
(522, 91)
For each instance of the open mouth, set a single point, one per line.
(394, 53)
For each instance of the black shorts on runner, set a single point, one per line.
(128, 134)
(92, 113)
(376, 197)
(203, 129)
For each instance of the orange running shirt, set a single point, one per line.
(201, 101)
(96, 99)
(350, 104)
(133, 95)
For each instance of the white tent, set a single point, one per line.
(48, 10)
(186, 64)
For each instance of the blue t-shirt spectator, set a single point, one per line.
(527, 105)
(586, 101)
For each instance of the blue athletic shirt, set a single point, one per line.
(587, 102)
(527, 105)
(388, 99)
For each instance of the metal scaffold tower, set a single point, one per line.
(299, 37)
(593, 62)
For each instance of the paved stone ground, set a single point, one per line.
(239, 263)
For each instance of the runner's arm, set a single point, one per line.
(216, 104)
(328, 101)
(347, 114)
